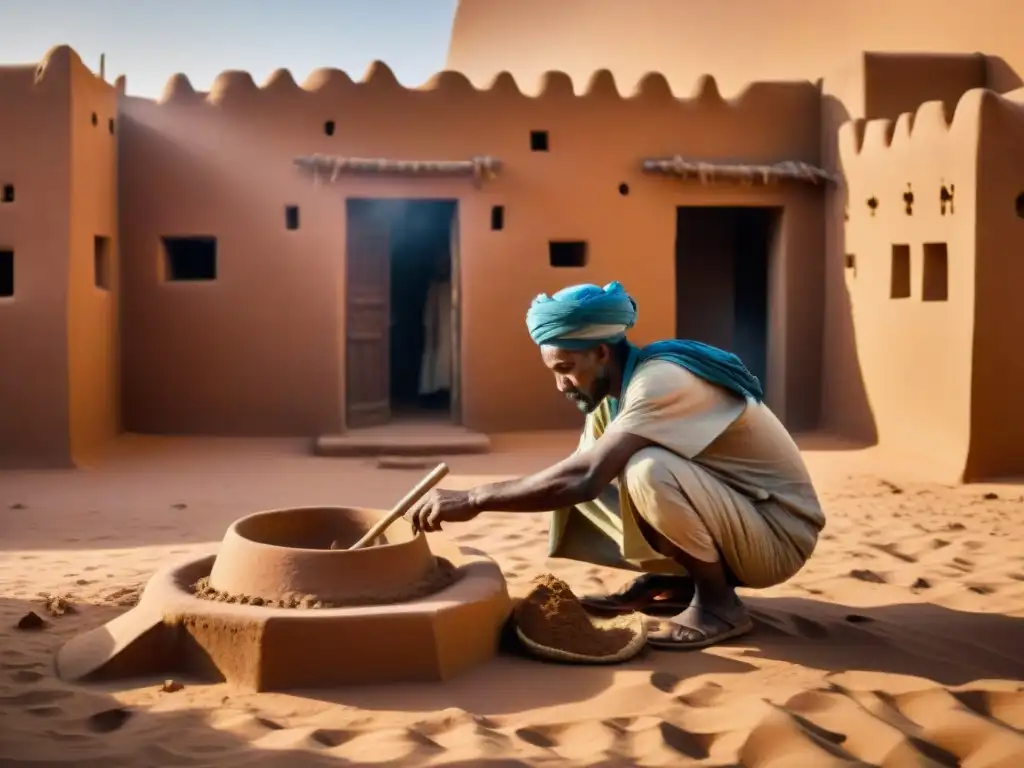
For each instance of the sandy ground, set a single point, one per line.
(900, 644)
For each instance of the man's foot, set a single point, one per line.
(701, 626)
(655, 593)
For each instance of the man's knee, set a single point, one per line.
(648, 473)
(654, 488)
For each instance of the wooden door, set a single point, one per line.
(368, 319)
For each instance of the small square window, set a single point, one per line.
(899, 279)
(539, 141)
(101, 262)
(7, 193)
(935, 275)
(291, 217)
(190, 259)
(497, 217)
(567, 253)
(6, 273)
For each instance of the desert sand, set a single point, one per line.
(900, 644)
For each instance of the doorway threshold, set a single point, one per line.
(413, 437)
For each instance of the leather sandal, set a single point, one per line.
(653, 593)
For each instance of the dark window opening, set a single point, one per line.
(190, 258)
(291, 217)
(497, 217)
(95, 119)
(6, 273)
(538, 141)
(7, 194)
(850, 262)
(110, 126)
(101, 262)
(935, 275)
(329, 128)
(1020, 205)
(567, 253)
(899, 279)
(623, 189)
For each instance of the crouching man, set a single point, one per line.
(682, 472)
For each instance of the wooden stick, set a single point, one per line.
(403, 506)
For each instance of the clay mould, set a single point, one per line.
(175, 631)
(652, 87)
(928, 122)
(273, 554)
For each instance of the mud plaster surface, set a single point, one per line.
(443, 575)
(552, 616)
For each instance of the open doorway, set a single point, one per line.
(402, 329)
(722, 269)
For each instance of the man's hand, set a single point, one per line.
(440, 506)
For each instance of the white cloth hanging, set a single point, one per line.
(436, 370)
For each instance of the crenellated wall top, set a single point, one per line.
(652, 87)
(928, 123)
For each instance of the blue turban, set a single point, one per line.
(581, 316)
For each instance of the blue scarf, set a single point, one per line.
(710, 363)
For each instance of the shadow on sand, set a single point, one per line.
(55, 723)
(931, 642)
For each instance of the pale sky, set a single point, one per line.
(150, 40)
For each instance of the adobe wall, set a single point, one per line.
(779, 39)
(913, 363)
(873, 86)
(34, 159)
(997, 423)
(92, 315)
(260, 351)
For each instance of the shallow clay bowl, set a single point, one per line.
(634, 622)
(280, 552)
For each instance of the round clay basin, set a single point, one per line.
(283, 552)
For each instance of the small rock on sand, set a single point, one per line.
(31, 620)
(171, 686)
(869, 576)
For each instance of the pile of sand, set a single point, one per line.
(552, 616)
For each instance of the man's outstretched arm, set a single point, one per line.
(579, 478)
